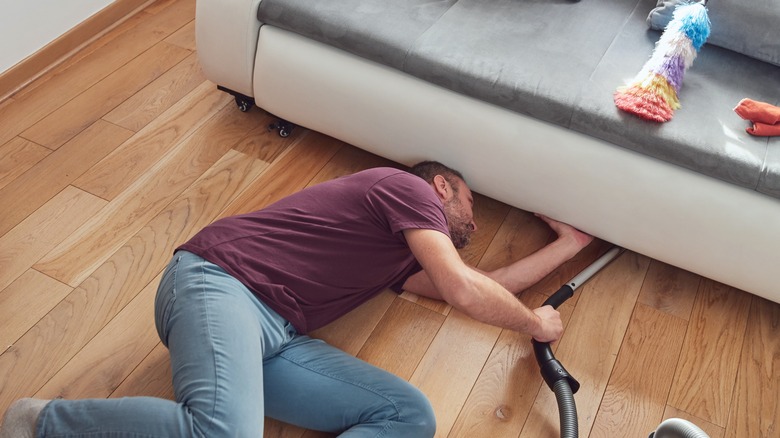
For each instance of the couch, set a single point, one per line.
(518, 95)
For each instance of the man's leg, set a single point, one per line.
(317, 386)
(212, 328)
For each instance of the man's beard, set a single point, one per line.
(460, 228)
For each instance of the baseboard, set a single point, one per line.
(61, 48)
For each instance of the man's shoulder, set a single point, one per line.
(382, 178)
(379, 173)
(390, 175)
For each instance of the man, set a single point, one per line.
(237, 300)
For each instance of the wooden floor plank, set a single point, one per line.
(635, 399)
(756, 406)
(591, 342)
(63, 86)
(351, 331)
(278, 429)
(151, 378)
(157, 97)
(85, 109)
(25, 301)
(121, 168)
(75, 258)
(105, 361)
(711, 353)
(61, 334)
(5, 102)
(452, 364)
(184, 37)
(51, 224)
(669, 289)
(502, 397)
(402, 337)
(259, 144)
(435, 305)
(17, 156)
(56, 171)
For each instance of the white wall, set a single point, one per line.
(28, 25)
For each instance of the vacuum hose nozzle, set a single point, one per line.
(678, 428)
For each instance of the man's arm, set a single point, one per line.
(528, 271)
(522, 274)
(475, 294)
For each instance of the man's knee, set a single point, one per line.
(425, 420)
(417, 416)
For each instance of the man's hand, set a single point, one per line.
(550, 324)
(566, 231)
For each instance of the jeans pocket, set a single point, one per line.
(166, 297)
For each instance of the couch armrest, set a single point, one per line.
(226, 34)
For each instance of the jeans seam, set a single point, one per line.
(162, 324)
(211, 343)
(103, 434)
(341, 379)
(384, 430)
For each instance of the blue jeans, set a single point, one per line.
(234, 361)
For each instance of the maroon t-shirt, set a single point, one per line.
(319, 253)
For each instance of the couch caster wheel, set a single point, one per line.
(244, 104)
(283, 127)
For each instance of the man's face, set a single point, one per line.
(460, 215)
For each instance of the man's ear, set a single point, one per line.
(441, 187)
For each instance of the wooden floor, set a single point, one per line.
(122, 153)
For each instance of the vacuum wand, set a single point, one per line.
(552, 370)
(554, 374)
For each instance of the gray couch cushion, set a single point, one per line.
(383, 31)
(560, 62)
(533, 57)
(769, 183)
(750, 27)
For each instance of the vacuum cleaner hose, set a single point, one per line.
(567, 409)
(678, 428)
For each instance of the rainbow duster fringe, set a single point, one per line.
(652, 95)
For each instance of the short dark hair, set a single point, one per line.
(427, 170)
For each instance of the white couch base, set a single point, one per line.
(666, 212)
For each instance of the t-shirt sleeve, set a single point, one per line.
(398, 286)
(406, 201)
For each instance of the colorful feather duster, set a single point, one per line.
(653, 94)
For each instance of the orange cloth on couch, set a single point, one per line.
(764, 117)
(764, 130)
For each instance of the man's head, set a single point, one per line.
(458, 202)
